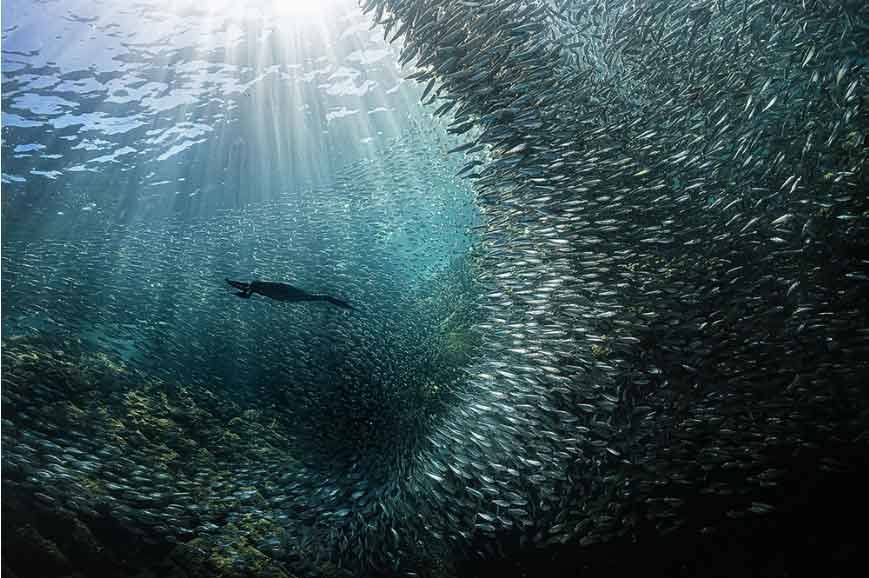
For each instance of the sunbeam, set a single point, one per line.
(433, 288)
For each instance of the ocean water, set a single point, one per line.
(607, 268)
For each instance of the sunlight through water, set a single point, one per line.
(432, 288)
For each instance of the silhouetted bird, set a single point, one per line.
(282, 292)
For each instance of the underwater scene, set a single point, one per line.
(434, 288)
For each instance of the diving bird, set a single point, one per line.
(282, 292)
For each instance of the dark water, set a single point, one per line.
(609, 288)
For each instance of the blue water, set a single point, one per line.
(211, 142)
(641, 312)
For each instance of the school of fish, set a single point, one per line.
(668, 285)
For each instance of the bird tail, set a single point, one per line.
(339, 302)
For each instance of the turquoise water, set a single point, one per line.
(606, 261)
(148, 163)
